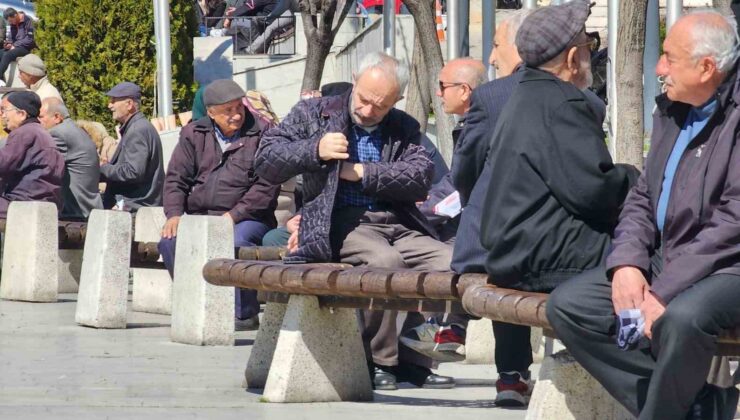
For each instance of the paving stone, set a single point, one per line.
(102, 299)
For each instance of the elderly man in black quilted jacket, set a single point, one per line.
(363, 171)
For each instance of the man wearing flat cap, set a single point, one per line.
(211, 172)
(31, 168)
(32, 72)
(557, 193)
(135, 173)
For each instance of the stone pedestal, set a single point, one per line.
(318, 357)
(29, 268)
(152, 291)
(260, 358)
(479, 342)
(152, 288)
(101, 301)
(70, 268)
(565, 391)
(202, 314)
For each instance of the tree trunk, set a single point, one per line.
(723, 6)
(321, 21)
(630, 50)
(418, 103)
(423, 13)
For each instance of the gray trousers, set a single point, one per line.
(661, 379)
(377, 239)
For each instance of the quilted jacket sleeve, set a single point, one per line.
(291, 148)
(406, 179)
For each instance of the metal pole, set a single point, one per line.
(529, 4)
(673, 11)
(164, 65)
(453, 29)
(463, 13)
(489, 31)
(389, 27)
(611, 82)
(650, 61)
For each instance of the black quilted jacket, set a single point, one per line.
(400, 179)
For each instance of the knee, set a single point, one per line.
(684, 321)
(166, 246)
(383, 256)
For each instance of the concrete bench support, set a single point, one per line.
(565, 391)
(260, 358)
(479, 342)
(70, 268)
(202, 314)
(318, 357)
(30, 271)
(152, 288)
(101, 301)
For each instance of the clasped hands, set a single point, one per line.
(334, 146)
(630, 290)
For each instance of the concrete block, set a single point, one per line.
(202, 314)
(479, 342)
(152, 291)
(318, 357)
(30, 271)
(260, 358)
(148, 224)
(70, 268)
(565, 391)
(101, 301)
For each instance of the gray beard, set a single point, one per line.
(368, 129)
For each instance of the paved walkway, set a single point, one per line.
(49, 366)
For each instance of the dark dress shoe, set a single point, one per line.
(384, 381)
(423, 377)
(435, 381)
(249, 324)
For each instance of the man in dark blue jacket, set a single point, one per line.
(21, 40)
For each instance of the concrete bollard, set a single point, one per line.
(70, 268)
(260, 358)
(318, 357)
(565, 391)
(202, 314)
(479, 342)
(152, 288)
(30, 271)
(101, 301)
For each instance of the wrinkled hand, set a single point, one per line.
(652, 308)
(629, 287)
(169, 230)
(333, 146)
(293, 223)
(293, 242)
(229, 11)
(352, 172)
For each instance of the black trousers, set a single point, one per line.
(661, 379)
(8, 56)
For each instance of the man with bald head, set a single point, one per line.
(80, 193)
(363, 171)
(672, 274)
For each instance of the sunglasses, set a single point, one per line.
(443, 85)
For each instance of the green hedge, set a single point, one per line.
(90, 45)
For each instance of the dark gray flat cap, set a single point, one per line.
(125, 90)
(221, 91)
(548, 31)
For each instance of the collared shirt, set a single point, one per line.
(696, 120)
(363, 147)
(224, 141)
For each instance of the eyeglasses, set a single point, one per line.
(6, 110)
(592, 43)
(443, 85)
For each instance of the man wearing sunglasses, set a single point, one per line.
(135, 173)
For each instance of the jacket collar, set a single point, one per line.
(137, 116)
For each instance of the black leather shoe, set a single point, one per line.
(435, 381)
(384, 381)
(423, 377)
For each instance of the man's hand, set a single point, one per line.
(333, 146)
(352, 172)
(293, 223)
(228, 216)
(293, 242)
(628, 288)
(652, 308)
(169, 230)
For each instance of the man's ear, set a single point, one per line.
(708, 69)
(571, 60)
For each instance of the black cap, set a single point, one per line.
(549, 30)
(125, 90)
(221, 91)
(25, 101)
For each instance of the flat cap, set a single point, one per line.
(25, 101)
(221, 91)
(549, 30)
(125, 90)
(33, 65)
